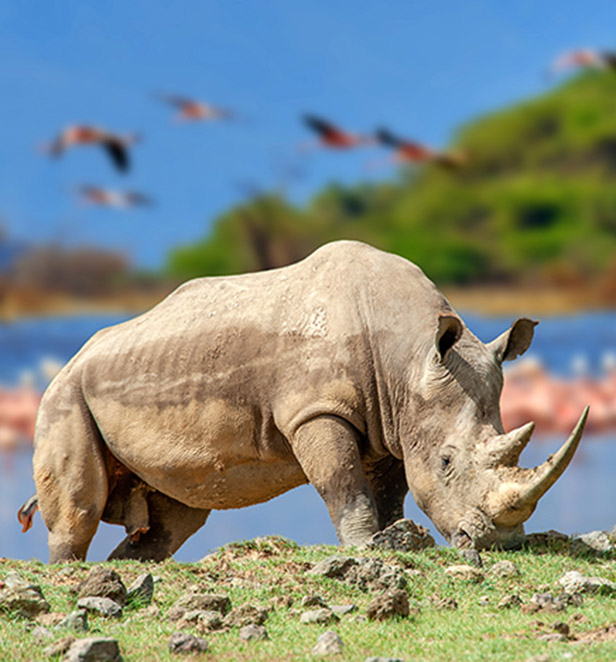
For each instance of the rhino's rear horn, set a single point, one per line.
(540, 479)
(505, 449)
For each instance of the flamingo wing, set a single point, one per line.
(118, 154)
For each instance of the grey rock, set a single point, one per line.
(253, 632)
(207, 619)
(180, 643)
(597, 541)
(313, 601)
(466, 572)
(575, 582)
(102, 606)
(509, 601)
(103, 582)
(92, 649)
(59, 647)
(483, 600)
(20, 598)
(321, 616)
(246, 614)
(76, 621)
(472, 557)
(343, 610)
(41, 634)
(375, 575)
(543, 657)
(384, 659)
(392, 603)
(205, 601)
(329, 643)
(333, 566)
(505, 569)
(446, 603)
(403, 536)
(547, 602)
(552, 636)
(141, 590)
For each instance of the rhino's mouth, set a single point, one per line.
(479, 532)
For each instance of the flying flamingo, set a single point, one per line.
(585, 59)
(192, 110)
(332, 136)
(110, 198)
(409, 151)
(114, 144)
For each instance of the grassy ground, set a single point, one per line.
(273, 570)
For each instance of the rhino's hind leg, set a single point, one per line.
(70, 476)
(170, 523)
(327, 449)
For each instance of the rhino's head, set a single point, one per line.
(462, 468)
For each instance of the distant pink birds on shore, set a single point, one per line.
(584, 59)
(115, 145)
(332, 136)
(110, 198)
(193, 110)
(410, 151)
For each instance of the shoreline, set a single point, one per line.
(482, 300)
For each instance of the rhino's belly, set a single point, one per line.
(230, 487)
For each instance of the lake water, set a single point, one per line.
(582, 500)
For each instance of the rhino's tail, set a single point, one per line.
(26, 513)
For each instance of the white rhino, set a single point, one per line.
(348, 370)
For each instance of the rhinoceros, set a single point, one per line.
(348, 370)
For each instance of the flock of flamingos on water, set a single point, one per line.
(529, 392)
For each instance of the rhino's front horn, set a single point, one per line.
(541, 478)
(520, 490)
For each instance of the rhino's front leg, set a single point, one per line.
(327, 450)
(387, 482)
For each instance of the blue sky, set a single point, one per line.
(422, 68)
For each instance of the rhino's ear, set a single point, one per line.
(448, 333)
(515, 341)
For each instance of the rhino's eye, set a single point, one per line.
(445, 463)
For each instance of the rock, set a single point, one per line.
(253, 632)
(343, 610)
(483, 600)
(561, 628)
(76, 621)
(50, 619)
(206, 619)
(141, 590)
(374, 575)
(446, 603)
(313, 601)
(597, 541)
(246, 614)
(187, 643)
(546, 537)
(384, 659)
(504, 569)
(544, 657)
(103, 582)
(41, 634)
(59, 647)
(544, 602)
(19, 598)
(284, 601)
(466, 572)
(333, 566)
(403, 536)
(102, 606)
(509, 601)
(321, 616)
(392, 603)
(472, 557)
(552, 636)
(329, 643)
(205, 601)
(575, 582)
(103, 649)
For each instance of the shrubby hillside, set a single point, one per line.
(536, 204)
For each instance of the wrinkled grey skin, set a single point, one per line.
(348, 370)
